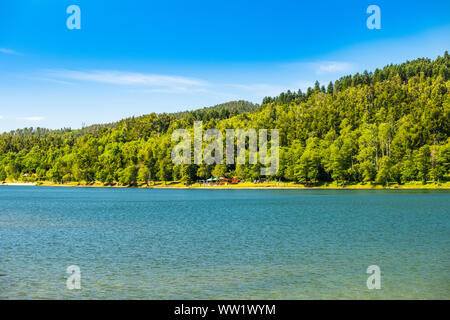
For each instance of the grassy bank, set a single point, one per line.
(243, 185)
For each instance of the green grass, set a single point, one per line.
(251, 185)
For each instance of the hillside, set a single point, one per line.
(220, 111)
(390, 125)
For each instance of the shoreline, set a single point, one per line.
(19, 184)
(242, 186)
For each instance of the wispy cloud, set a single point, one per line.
(322, 67)
(9, 51)
(147, 81)
(34, 118)
(1, 117)
(187, 90)
(39, 78)
(333, 67)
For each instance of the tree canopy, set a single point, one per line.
(390, 125)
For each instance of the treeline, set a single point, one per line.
(391, 125)
(405, 71)
(220, 111)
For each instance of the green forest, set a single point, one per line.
(386, 126)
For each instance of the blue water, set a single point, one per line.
(223, 244)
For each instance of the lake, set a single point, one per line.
(223, 244)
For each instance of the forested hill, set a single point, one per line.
(220, 111)
(390, 125)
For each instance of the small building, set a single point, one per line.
(223, 180)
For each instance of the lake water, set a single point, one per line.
(223, 244)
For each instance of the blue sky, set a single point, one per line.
(136, 57)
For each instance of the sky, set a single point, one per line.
(136, 57)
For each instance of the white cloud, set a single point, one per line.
(333, 66)
(185, 90)
(49, 80)
(153, 82)
(32, 118)
(321, 67)
(8, 51)
(1, 117)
